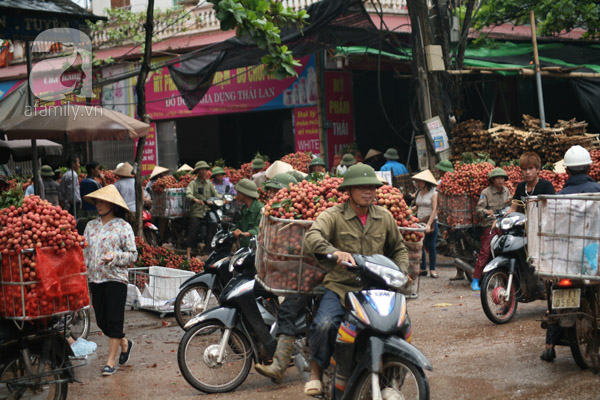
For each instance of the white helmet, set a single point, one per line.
(577, 156)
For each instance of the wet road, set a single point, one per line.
(472, 357)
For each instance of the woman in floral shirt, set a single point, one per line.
(111, 248)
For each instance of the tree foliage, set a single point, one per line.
(553, 16)
(261, 21)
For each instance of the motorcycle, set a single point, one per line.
(462, 244)
(373, 355)
(150, 230)
(197, 292)
(509, 279)
(575, 306)
(219, 215)
(35, 362)
(216, 353)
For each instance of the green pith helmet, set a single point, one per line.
(217, 171)
(348, 160)
(247, 187)
(317, 161)
(201, 165)
(299, 176)
(391, 154)
(258, 163)
(445, 165)
(496, 172)
(360, 174)
(46, 171)
(492, 162)
(284, 179)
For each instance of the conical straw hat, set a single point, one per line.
(372, 153)
(278, 167)
(185, 167)
(158, 170)
(124, 170)
(107, 193)
(425, 176)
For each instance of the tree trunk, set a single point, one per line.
(141, 111)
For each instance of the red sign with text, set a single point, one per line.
(150, 151)
(339, 112)
(306, 129)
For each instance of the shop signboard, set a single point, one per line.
(150, 155)
(233, 91)
(306, 129)
(338, 112)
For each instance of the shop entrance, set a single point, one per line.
(235, 137)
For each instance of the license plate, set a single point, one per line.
(566, 298)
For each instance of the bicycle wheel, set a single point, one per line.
(79, 325)
(43, 384)
(198, 358)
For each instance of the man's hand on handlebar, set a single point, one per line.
(342, 257)
(237, 233)
(198, 201)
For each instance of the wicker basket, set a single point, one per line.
(458, 211)
(282, 267)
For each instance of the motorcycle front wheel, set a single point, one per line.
(493, 291)
(198, 358)
(399, 379)
(583, 336)
(191, 301)
(42, 384)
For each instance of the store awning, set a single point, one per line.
(331, 23)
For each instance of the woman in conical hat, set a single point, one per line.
(426, 209)
(111, 249)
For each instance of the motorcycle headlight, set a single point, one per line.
(237, 261)
(393, 278)
(219, 203)
(508, 223)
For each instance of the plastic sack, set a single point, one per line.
(83, 347)
(60, 273)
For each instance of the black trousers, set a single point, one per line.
(290, 310)
(194, 226)
(108, 299)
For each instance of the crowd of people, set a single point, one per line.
(357, 226)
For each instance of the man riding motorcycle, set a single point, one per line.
(356, 226)
(247, 226)
(577, 163)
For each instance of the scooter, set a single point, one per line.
(35, 362)
(197, 292)
(509, 279)
(575, 307)
(216, 353)
(373, 355)
(150, 230)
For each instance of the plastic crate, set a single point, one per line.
(563, 235)
(23, 296)
(281, 265)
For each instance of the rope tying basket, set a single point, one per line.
(281, 265)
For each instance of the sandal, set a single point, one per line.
(313, 388)
(434, 275)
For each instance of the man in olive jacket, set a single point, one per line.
(198, 192)
(355, 227)
(247, 226)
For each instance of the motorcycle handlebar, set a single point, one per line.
(334, 258)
